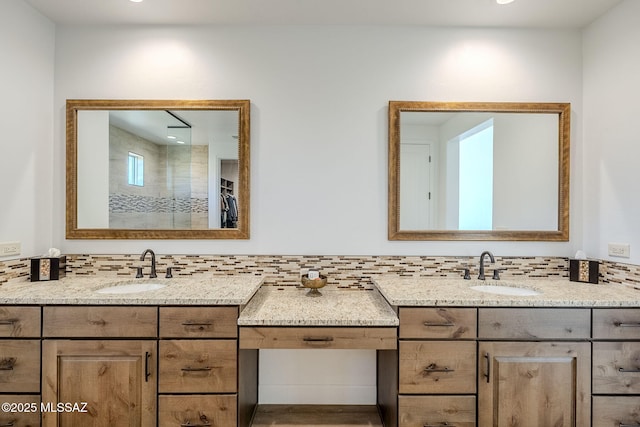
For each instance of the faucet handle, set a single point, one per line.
(169, 274)
(467, 275)
(139, 273)
(496, 273)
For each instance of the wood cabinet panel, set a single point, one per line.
(436, 411)
(19, 322)
(20, 366)
(197, 410)
(534, 323)
(616, 324)
(437, 367)
(318, 337)
(616, 411)
(534, 384)
(197, 366)
(616, 367)
(116, 379)
(100, 322)
(438, 323)
(198, 322)
(29, 418)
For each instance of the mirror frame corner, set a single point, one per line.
(243, 106)
(564, 135)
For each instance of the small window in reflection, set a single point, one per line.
(136, 170)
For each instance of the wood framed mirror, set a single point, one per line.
(157, 169)
(478, 171)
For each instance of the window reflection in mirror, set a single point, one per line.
(144, 169)
(473, 171)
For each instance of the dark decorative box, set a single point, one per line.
(48, 268)
(583, 270)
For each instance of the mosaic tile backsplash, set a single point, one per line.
(354, 272)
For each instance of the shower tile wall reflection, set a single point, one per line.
(166, 199)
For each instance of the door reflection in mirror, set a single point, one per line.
(487, 171)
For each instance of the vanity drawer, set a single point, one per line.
(438, 323)
(318, 337)
(100, 321)
(437, 367)
(534, 323)
(616, 367)
(610, 411)
(616, 323)
(436, 411)
(20, 366)
(19, 322)
(198, 322)
(23, 418)
(197, 366)
(205, 410)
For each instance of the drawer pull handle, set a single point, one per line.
(9, 424)
(7, 364)
(317, 339)
(204, 422)
(634, 370)
(190, 369)
(628, 425)
(197, 323)
(434, 368)
(439, 324)
(8, 321)
(627, 325)
(442, 424)
(488, 374)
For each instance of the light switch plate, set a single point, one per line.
(9, 248)
(621, 250)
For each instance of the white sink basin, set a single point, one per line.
(131, 288)
(506, 290)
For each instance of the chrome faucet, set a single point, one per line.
(153, 274)
(482, 255)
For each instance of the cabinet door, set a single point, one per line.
(116, 379)
(532, 384)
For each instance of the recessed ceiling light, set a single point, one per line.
(497, 1)
(171, 137)
(136, 1)
(179, 142)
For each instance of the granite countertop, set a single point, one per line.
(195, 290)
(273, 306)
(426, 291)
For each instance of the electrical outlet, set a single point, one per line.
(9, 248)
(621, 250)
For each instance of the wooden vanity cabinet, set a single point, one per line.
(616, 367)
(20, 365)
(105, 356)
(534, 367)
(198, 366)
(116, 379)
(534, 384)
(437, 367)
(529, 367)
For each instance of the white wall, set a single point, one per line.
(26, 121)
(612, 139)
(319, 115)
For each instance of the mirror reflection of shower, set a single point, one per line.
(179, 176)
